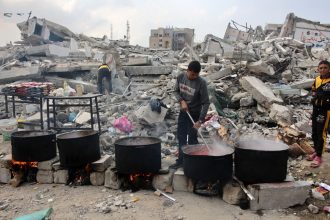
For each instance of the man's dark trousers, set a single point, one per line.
(185, 127)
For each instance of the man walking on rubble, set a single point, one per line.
(321, 112)
(104, 73)
(191, 91)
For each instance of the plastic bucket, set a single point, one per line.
(7, 127)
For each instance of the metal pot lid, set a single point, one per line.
(261, 144)
(215, 150)
(76, 134)
(137, 141)
(32, 133)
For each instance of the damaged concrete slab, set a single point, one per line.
(19, 73)
(147, 70)
(48, 50)
(260, 92)
(284, 195)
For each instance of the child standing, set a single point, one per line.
(321, 112)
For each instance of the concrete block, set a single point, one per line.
(97, 178)
(287, 75)
(236, 97)
(303, 84)
(5, 175)
(281, 114)
(48, 50)
(61, 176)
(111, 179)
(246, 101)
(260, 91)
(45, 176)
(5, 162)
(261, 67)
(83, 118)
(279, 195)
(57, 166)
(138, 61)
(103, 163)
(162, 181)
(232, 194)
(181, 182)
(48, 164)
(220, 74)
(19, 73)
(145, 114)
(147, 70)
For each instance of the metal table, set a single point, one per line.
(28, 99)
(53, 102)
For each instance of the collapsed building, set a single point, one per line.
(259, 82)
(171, 38)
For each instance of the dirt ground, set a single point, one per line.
(92, 202)
(81, 203)
(303, 171)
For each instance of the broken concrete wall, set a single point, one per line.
(311, 33)
(37, 31)
(48, 50)
(233, 34)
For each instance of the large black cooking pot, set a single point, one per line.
(33, 146)
(138, 155)
(261, 161)
(201, 163)
(78, 148)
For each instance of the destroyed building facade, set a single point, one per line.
(309, 32)
(36, 31)
(171, 38)
(233, 34)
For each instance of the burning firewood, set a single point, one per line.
(17, 178)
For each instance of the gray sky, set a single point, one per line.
(94, 17)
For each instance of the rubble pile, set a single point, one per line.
(257, 87)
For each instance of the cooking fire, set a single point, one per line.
(135, 182)
(79, 176)
(23, 172)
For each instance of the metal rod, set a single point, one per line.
(97, 113)
(247, 192)
(41, 113)
(167, 196)
(200, 134)
(127, 87)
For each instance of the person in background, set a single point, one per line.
(104, 73)
(321, 112)
(191, 92)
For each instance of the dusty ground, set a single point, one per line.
(80, 203)
(303, 171)
(87, 202)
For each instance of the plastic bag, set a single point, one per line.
(123, 124)
(156, 105)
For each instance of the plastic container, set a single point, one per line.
(7, 127)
